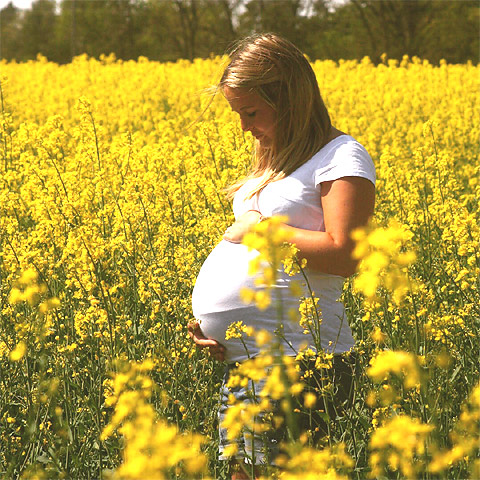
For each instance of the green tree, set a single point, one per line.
(10, 28)
(285, 17)
(304, 22)
(427, 28)
(96, 27)
(454, 33)
(165, 30)
(37, 32)
(187, 28)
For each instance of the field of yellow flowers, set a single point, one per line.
(111, 199)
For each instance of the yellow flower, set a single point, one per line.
(50, 304)
(237, 329)
(382, 260)
(398, 444)
(230, 450)
(16, 296)
(247, 295)
(304, 462)
(465, 436)
(297, 388)
(152, 447)
(28, 276)
(262, 299)
(378, 336)
(398, 363)
(18, 352)
(310, 400)
(263, 337)
(115, 204)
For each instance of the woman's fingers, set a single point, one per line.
(192, 327)
(219, 356)
(204, 342)
(233, 234)
(195, 332)
(215, 349)
(199, 338)
(244, 224)
(217, 352)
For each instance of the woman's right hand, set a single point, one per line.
(217, 350)
(244, 224)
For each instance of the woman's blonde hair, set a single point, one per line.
(275, 69)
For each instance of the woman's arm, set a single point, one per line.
(347, 204)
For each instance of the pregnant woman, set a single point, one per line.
(320, 178)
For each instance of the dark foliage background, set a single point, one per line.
(167, 30)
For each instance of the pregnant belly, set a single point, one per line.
(222, 276)
(216, 303)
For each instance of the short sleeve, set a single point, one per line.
(347, 159)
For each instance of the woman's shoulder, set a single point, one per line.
(341, 157)
(343, 142)
(341, 148)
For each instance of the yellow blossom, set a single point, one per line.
(18, 352)
(310, 400)
(398, 444)
(398, 363)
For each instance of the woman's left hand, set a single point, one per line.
(216, 350)
(242, 225)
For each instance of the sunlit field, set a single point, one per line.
(111, 198)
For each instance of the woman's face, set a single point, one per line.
(256, 116)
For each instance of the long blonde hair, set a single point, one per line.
(279, 73)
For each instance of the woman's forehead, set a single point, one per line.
(243, 97)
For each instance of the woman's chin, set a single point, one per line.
(264, 141)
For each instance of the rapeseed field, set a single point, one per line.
(111, 198)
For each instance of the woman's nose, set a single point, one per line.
(245, 124)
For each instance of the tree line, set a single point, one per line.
(167, 30)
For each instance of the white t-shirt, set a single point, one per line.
(216, 298)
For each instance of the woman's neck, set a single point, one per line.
(334, 133)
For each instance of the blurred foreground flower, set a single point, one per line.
(384, 261)
(398, 446)
(306, 463)
(29, 290)
(152, 447)
(398, 363)
(18, 352)
(465, 438)
(270, 239)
